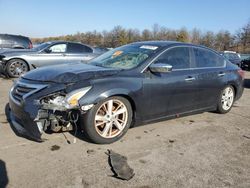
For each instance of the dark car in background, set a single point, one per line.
(245, 64)
(133, 84)
(233, 57)
(17, 62)
(15, 42)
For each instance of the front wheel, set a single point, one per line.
(226, 100)
(108, 120)
(16, 67)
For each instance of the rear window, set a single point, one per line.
(206, 58)
(78, 48)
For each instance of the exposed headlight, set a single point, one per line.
(72, 98)
(62, 102)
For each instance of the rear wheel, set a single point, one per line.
(108, 121)
(226, 100)
(16, 67)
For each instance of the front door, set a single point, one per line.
(53, 55)
(173, 92)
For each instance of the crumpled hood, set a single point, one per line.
(69, 73)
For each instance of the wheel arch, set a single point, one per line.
(120, 92)
(19, 59)
(131, 101)
(234, 87)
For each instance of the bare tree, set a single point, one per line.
(222, 40)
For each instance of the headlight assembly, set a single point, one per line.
(72, 98)
(60, 101)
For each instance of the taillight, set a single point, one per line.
(30, 45)
(241, 73)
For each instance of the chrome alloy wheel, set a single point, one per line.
(227, 98)
(17, 68)
(111, 118)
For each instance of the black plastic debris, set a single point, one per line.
(171, 141)
(54, 148)
(90, 151)
(119, 166)
(246, 136)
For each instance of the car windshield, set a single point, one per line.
(41, 46)
(125, 57)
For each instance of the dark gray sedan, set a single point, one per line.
(131, 85)
(17, 62)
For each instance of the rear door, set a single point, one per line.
(173, 92)
(211, 74)
(78, 53)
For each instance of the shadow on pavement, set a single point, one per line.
(78, 133)
(247, 83)
(3, 174)
(4, 76)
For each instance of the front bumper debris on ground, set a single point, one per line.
(120, 166)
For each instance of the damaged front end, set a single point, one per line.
(54, 116)
(36, 108)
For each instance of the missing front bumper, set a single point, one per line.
(33, 132)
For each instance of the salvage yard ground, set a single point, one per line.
(204, 150)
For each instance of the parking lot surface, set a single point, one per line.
(203, 150)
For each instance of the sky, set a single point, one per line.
(43, 18)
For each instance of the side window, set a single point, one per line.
(78, 48)
(178, 57)
(205, 58)
(58, 48)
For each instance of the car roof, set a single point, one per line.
(162, 43)
(14, 36)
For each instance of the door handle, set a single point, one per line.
(221, 74)
(190, 79)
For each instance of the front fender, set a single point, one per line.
(105, 88)
(95, 98)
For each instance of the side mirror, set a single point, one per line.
(47, 51)
(160, 67)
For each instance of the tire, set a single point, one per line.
(226, 101)
(16, 67)
(98, 118)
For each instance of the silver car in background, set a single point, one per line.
(17, 62)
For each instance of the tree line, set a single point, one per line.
(222, 40)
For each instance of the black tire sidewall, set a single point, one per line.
(87, 122)
(219, 105)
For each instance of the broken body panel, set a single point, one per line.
(34, 103)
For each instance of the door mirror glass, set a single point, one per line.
(160, 67)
